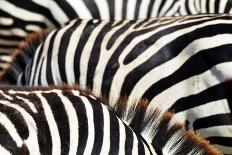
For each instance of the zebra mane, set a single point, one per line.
(156, 129)
(21, 56)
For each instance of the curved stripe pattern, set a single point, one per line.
(177, 64)
(65, 120)
(18, 19)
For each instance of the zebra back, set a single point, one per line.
(67, 120)
(153, 59)
(18, 19)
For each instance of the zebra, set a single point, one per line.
(68, 120)
(20, 18)
(179, 64)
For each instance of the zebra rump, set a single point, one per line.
(179, 64)
(67, 120)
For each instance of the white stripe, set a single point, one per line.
(155, 8)
(55, 10)
(4, 151)
(28, 102)
(6, 21)
(144, 6)
(203, 6)
(85, 55)
(9, 42)
(222, 6)
(197, 4)
(188, 87)
(205, 110)
(212, 6)
(118, 9)
(173, 10)
(130, 14)
(105, 56)
(33, 28)
(6, 58)
(124, 70)
(73, 122)
(191, 7)
(33, 69)
(5, 95)
(56, 45)
(106, 134)
(80, 8)
(55, 136)
(122, 136)
(166, 7)
(71, 50)
(135, 144)
(91, 131)
(103, 9)
(13, 32)
(23, 14)
(9, 126)
(58, 13)
(224, 149)
(216, 131)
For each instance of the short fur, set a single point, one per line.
(156, 129)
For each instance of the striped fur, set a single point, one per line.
(177, 64)
(67, 120)
(20, 18)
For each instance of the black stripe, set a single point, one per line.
(92, 7)
(98, 126)
(165, 54)
(61, 118)
(114, 134)
(44, 135)
(7, 141)
(207, 5)
(37, 61)
(216, 7)
(90, 26)
(117, 34)
(94, 57)
(49, 58)
(124, 9)
(129, 141)
(206, 59)
(224, 141)
(111, 6)
(33, 7)
(17, 119)
(228, 6)
(150, 8)
(137, 9)
(187, 5)
(161, 7)
(210, 121)
(64, 43)
(82, 121)
(213, 93)
(67, 9)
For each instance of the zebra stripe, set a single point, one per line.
(178, 64)
(18, 19)
(68, 120)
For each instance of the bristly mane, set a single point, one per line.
(156, 129)
(21, 56)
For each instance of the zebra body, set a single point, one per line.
(20, 18)
(178, 64)
(67, 120)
